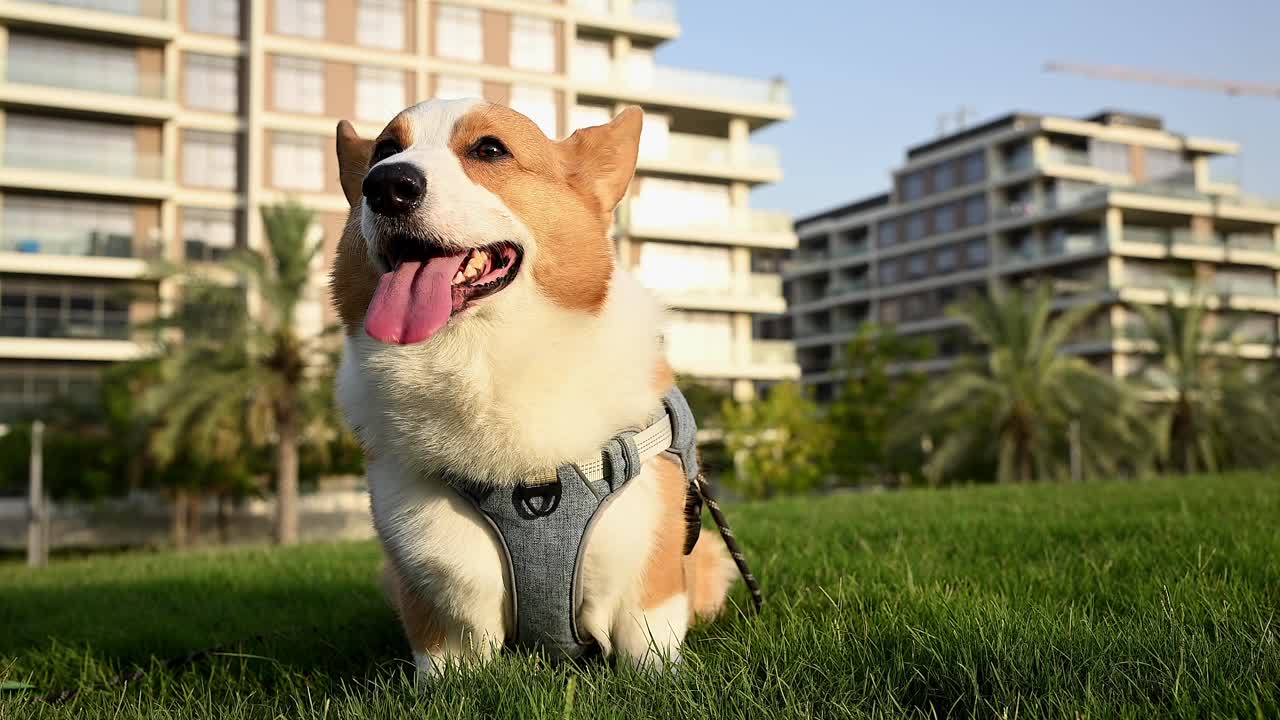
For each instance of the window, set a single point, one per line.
(944, 259)
(944, 177)
(380, 24)
(655, 136)
(450, 87)
(208, 235)
(459, 33)
(889, 312)
(300, 17)
(698, 339)
(975, 167)
(217, 17)
(684, 267)
(680, 203)
(26, 387)
(915, 307)
(39, 60)
(975, 210)
(209, 159)
(944, 218)
(212, 82)
(915, 226)
(533, 44)
(888, 272)
(79, 146)
(1165, 164)
(297, 161)
(299, 85)
(592, 61)
(912, 186)
(975, 253)
(539, 104)
(887, 233)
(379, 93)
(67, 227)
(917, 265)
(1109, 156)
(79, 309)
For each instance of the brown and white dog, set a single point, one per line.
(490, 335)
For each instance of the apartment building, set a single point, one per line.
(1112, 208)
(141, 129)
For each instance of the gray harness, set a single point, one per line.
(543, 525)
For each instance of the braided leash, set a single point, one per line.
(731, 542)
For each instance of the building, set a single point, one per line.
(1112, 208)
(137, 129)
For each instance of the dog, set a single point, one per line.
(491, 336)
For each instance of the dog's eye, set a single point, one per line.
(384, 150)
(489, 148)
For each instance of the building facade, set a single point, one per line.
(142, 129)
(1113, 209)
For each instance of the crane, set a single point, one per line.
(1111, 72)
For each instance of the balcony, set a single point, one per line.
(738, 226)
(137, 8)
(84, 324)
(1057, 246)
(847, 287)
(73, 77)
(67, 160)
(655, 11)
(716, 156)
(772, 352)
(1058, 155)
(48, 241)
(769, 99)
(1245, 288)
(754, 293)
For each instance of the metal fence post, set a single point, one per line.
(37, 508)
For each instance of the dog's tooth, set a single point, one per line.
(458, 278)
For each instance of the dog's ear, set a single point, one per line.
(353, 161)
(604, 157)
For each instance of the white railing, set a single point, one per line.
(654, 10)
(73, 76)
(70, 160)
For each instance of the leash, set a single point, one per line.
(731, 542)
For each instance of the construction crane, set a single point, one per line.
(1111, 72)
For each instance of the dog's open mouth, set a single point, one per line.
(427, 286)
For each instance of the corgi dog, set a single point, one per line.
(491, 336)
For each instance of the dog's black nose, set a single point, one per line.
(394, 189)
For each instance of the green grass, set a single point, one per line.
(1143, 600)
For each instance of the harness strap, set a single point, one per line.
(543, 524)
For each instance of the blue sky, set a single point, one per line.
(869, 79)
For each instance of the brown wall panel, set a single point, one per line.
(497, 38)
(340, 89)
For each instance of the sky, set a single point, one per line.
(870, 79)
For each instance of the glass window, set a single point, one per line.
(975, 167)
(539, 104)
(944, 177)
(212, 82)
(1109, 156)
(209, 159)
(975, 253)
(944, 259)
(592, 60)
(217, 17)
(78, 146)
(380, 93)
(300, 17)
(208, 234)
(890, 312)
(297, 161)
(450, 87)
(671, 266)
(915, 226)
(59, 226)
(590, 116)
(917, 265)
(698, 339)
(299, 85)
(975, 210)
(459, 33)
(888, 272)
(1163, 164)
(97, 67)
(944, 218)
(912, 186)
(533, 44)
(380, 24)
(887, 233)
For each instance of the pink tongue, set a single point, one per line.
(413, 301)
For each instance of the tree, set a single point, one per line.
(239, 373)
(871, 403)
(780, 444)
(1211, 408)
(1014, 408)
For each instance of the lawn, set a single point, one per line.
(1150, 599)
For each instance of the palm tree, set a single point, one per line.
(1211, 408)
(237, 372)
(1017, 406)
